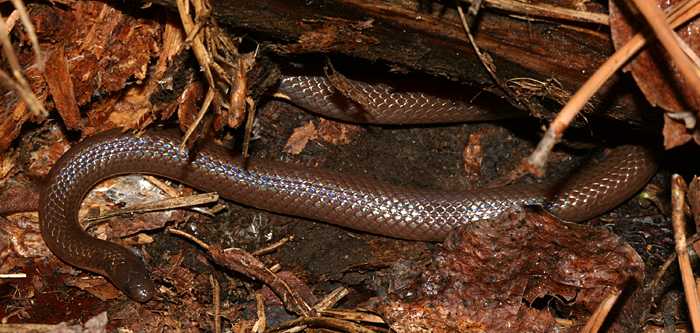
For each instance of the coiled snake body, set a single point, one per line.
(355, 202)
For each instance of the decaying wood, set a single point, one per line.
(432, 41)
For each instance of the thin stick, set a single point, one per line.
(512, 98)
(13, 276)
(657, 20)
(29, 27)
(678, 188)
(547, 11)
(272, 247)
(598, 317)
(216, 290)
(260, 324)
(19, 84)
(190, 237)
(679, 15)
(155, 206)
(200, 115)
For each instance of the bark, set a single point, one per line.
(410, 36)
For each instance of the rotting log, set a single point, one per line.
(410, 36)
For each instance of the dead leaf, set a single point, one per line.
(337, 133)
(95, 285)
(675, 133)
(299, 138)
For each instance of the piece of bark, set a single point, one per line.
(489, 275)
(433, 42)
(58, 78)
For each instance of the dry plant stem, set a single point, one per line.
(353, 316)
(678, 189)
(260, 324)
(546, 11)
(13, 276)
(173, 193)
(19, 83)
(331, 299)
(274, 246)
(10, 55)
(250, 120)
(322, 322)
(24, 93)
(679, 15)
(489, 66)
(31, 33)
(200, 116)
(598, 317)
(14, 328)
(216, 290)
(11, 20)
(687, 51)
(657, 20)
(190, 237)
(200, 51)
(245, 263)
(160, 205)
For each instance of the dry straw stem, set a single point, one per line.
(679, 14)
(547, 11)
(678, 189)
(19, 83)
(260, 324)
(31, 33)
(216, 291)
(657, 20)
(158, 205)
(487, 62)
(598, 317)
(205, 105)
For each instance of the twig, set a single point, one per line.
(678, 189)
(13, 276)
(216, 291)
(19, 83)
(173, 193)
(190, 237)
(687, 50)
(601, 312)
(250, 121)
(272, 247)
(31, 33)
(260, 324)
(657, 20)
(536, 161)
(353, 316)
(548, 11)
(200, 51)
(331, 299)
(245, 263)
(13, 328)
(322, 322)
(205, 105)
(158, 205)
(486, 62)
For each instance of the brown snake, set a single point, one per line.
(354, 202)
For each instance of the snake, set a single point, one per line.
(356, 202)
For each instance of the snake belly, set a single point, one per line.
(354, 202)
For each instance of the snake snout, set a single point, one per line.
(131, 277)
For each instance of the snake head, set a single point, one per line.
(131, 277)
